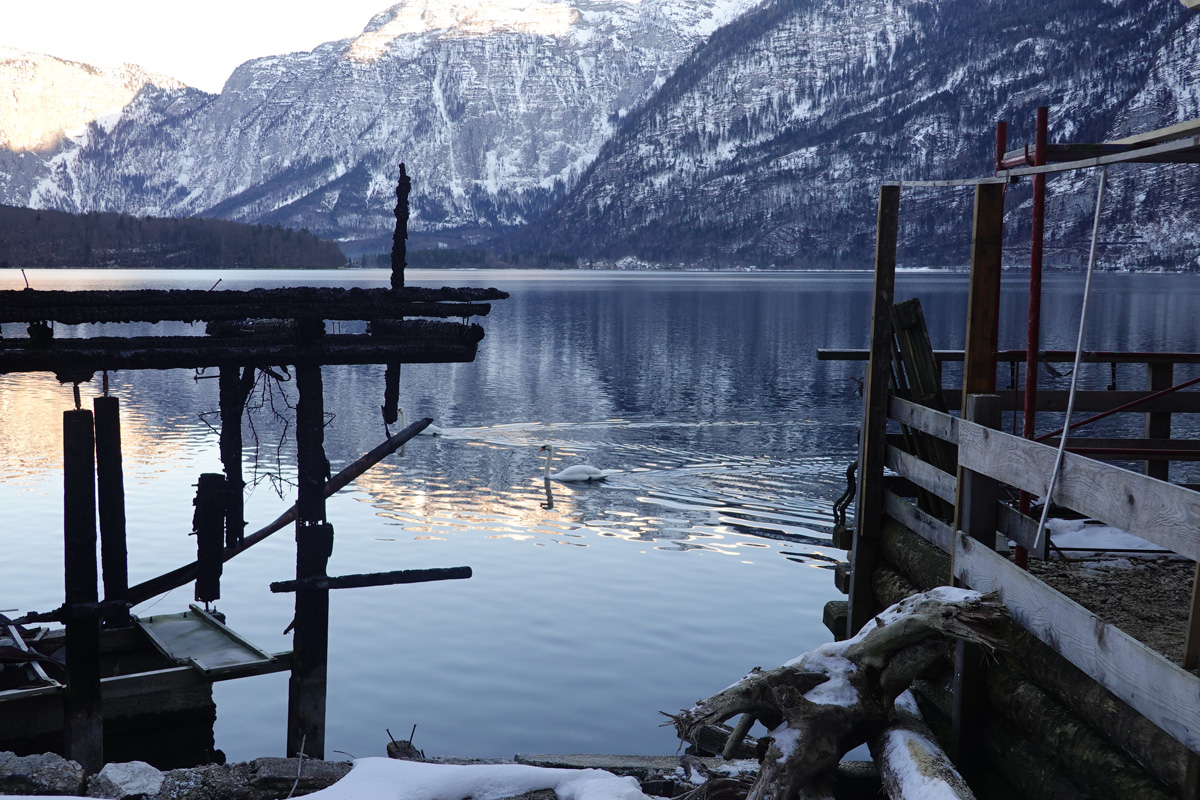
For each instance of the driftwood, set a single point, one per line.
(840, 695)
(911, 764)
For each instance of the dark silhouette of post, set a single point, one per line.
(83, 720)
(314, 545)
(403, 187)
(208, 524)
(234, 390)
(110, 497)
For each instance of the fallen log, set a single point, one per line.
(178, 577)
(911, 764)
(828, 701)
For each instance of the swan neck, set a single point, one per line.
(549, 456)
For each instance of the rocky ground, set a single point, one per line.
(1147, 598)
(261, 779)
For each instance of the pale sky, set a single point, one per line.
(198, 42)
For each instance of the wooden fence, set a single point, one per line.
(1165, 514)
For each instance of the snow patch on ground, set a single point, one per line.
(389, 779)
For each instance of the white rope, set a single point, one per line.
(1087, 293)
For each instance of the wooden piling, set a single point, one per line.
(873, 436)
(110, 497)
(234, 389)
(977, 511)
(1158, 423)
(400, 235)
(83, 721)
(208, 524)
(314, 545)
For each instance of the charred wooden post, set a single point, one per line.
(873, 437)
(314, 545)
(83, 720)
(391, 394)
(110, 495)
(400, 236)
(208, 523)
(234, 389)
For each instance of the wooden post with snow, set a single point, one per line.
(314, 545)
(872, 450)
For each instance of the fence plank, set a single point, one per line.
(1014, 525)
(1163, 513)
(927, 476)
(926, 420)
(1159, 690)
(927, 526)
(1091, 401)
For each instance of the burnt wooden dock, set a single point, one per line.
(245, 332)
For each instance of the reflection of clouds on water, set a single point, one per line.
(486, 481)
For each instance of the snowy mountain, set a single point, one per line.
(495, 105)
(768, 144)
(43, 99)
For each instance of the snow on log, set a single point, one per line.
(911, 764)
(836, 697)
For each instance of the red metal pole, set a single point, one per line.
(1001, 143)
(1033, 337)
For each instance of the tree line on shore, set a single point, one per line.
(54, 239)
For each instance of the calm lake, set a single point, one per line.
(706, 556)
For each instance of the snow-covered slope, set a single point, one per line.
(494, 105)
(767, 146)
(43, 98)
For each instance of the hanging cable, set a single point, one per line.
(1087, 293)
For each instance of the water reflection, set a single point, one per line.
(731, 438)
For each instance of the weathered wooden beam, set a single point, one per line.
(208, 524)
(1148, 682)
(83, 719)
(424, 342)
(1163, 513)
(314, 545)
(922, 473)
(234, 388)
(1045, 356)
(178, 577)
(873, 442)
(190, 305)
(1158, 425)
(1092, 401)
(374, 579)
(110, 497)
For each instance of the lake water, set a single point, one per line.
(706, 556)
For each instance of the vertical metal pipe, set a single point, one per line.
(110, 497)
(1001, 142)
(1033, 333)
(83, 720)
(314, 545)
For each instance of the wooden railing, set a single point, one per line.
(1165, 514)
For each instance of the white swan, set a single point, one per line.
(575, 472)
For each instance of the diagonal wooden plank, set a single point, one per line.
(1158, 689)
(925, 475)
